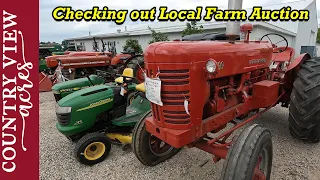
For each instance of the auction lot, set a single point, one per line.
(292, 159)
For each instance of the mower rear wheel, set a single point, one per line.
(92, 148)
(250, 156)
(304, 110)
(150, 150)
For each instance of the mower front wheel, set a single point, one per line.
(250, 156)
(92, 148)
(150, 150)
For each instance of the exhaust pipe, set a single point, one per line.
(233, 27)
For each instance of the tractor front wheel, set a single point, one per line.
(150, 150)
(304, 110)
(92, 148)
(250, 156)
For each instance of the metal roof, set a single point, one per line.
(288, 27)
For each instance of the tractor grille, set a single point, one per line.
(175, 89)
(64, 119)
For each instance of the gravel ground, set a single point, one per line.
(293, 159)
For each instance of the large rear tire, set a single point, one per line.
(304, 110)
(250, 156)
(145, 147)
(137, 64)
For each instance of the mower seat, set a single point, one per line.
(126, 72)
(140, 87)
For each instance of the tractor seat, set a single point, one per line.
(126, 72)
(140, 87)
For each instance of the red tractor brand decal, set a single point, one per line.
(82, 63)
(257, 61)
(220, 65)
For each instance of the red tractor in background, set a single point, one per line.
(197, 88)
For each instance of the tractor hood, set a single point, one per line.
(77, 112)
(76, 84)
(197, 51)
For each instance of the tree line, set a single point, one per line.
(191, 28)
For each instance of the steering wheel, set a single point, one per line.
(103, 74)
(274, 45)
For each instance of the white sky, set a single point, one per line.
(50, 30)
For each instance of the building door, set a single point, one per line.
(312, 50)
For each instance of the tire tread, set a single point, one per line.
(304, 116)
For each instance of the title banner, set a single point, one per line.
(19, 90)
(209, 13)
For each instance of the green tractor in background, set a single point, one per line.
(44, 51)
(63, 89)
(98, 115)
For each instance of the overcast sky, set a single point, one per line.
(50, 30)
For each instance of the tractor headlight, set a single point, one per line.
(211, 66)
(62, 110)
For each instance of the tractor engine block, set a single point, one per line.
(230, 91)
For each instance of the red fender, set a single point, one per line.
(298, 61)
(291, 74)
(286, 55)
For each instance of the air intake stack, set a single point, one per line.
(233, 27)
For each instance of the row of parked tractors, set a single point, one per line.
(189, 93)
(68, 65)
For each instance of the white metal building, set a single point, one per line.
(297, 33)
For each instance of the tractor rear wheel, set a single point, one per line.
(139, 73)
(250, 156)
(130, 97)
(92, 148)
(150, 150)
(304, 110)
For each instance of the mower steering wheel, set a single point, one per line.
(274, 45)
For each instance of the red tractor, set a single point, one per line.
(197, 88)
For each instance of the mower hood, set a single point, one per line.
(85, 97)
(76, 84)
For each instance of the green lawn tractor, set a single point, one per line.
(65, 88)
(97, 116)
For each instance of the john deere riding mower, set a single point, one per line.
(96, 116)
(63, 89)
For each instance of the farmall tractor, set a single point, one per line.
(197, 88)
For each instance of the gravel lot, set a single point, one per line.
(293, 159)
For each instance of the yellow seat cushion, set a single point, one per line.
(119, 80)
(141, 87)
